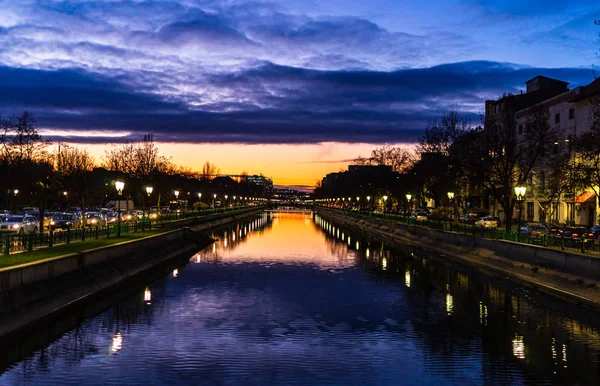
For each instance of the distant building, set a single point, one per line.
(329, 180)
(260, 184)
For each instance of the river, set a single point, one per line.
(294, 299)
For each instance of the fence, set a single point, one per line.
(587, 246)
(14, 243)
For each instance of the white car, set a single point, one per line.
(486, 222)
(20, 224)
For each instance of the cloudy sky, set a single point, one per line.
(296, 87)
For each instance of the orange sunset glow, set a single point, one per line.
(287, 164)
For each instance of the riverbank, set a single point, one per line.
(521, 263)
(33, 293)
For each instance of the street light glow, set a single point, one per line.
(451, 196)
(119, 185)
(520, 192)
(149, 190)
(408, 197)
(176, 193)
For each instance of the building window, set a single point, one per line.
(557, 118)
(571, 113)
(530, 210)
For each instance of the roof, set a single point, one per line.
(545, 77)
(588, 91)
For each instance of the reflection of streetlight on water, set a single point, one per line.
(117, 342)
(147, 295)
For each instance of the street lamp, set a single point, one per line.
(408, 197)
(149, 190)
(15, 192)
(176, 194)
(225, 205)
(214, 198)
(119, 185)
(520, 193)
(385, 197)
(66, 194)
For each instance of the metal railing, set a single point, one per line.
(586, 246)
(15, 243)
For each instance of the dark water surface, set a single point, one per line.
(293, 299)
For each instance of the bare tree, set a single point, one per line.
(75, 166)
(499, 158)
(400, 159)
(136, 159)
(209, 171)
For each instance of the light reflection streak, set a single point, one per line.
(518, 347)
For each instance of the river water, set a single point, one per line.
(294, 299)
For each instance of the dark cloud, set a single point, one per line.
(275, 104)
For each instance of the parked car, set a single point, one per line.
(66, 221)
(534, 229)
(29, 209)
(596, 230)
(112, 218)
(20, 224)
(47, 218)
(578, 234)
(94, 219)
(487, 222)
(420, 215)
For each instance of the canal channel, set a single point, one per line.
(292, 298)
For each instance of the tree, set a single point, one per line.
(499, 158)
(438, 169)
(24, 162)
(439, 136)
(209, 171)
(136, 159)
(400, 159)
(75, 165)
(553, 177)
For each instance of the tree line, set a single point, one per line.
(489, 160)
(32, 173)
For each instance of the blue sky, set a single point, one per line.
(280, 71)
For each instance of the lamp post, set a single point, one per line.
(119, 185)
(408, 198)
(225, 205)
(214, 198)
(234, 201)
(385, 197)
(369, 202)
(149, 190)
(66, 194)
(520, 193)
(451, 199)
(15, 192)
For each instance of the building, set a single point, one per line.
(569, 114)
(260, 184)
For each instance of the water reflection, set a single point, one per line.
(284, 299)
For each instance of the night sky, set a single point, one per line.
(279, 72)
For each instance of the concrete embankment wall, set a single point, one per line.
(568, 262)
(35, 291)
